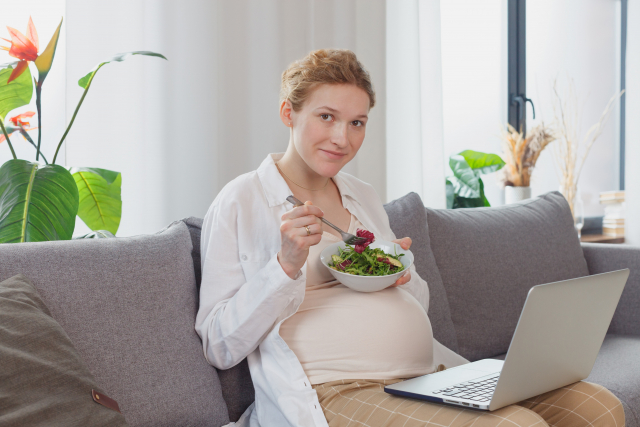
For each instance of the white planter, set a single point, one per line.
(515, 194)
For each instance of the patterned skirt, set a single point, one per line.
(364, 403)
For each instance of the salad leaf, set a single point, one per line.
(370, 262)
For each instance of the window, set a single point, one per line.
(578, 41)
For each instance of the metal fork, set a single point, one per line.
(348, 238)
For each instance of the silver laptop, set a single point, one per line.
(557, 339)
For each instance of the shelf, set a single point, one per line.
(601, 238)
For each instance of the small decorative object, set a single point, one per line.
(465, 188)
(571, 150)
(520, 154)
(613, 221)
(40, 202)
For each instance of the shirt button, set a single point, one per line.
(244, 257)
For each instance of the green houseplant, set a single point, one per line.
(465, 188)
(40, 202)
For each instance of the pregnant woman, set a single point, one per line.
(320, 353)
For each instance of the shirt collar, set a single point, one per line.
(276, 189)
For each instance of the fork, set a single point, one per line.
(348, 238)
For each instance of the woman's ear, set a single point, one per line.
(285, 113)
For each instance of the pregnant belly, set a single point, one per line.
(338, 334)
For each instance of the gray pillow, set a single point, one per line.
(194, 225)
(489, 258)
(129, 306)
(407, 217)
(43, 380)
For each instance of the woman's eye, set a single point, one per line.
(357, 123)
(325, 117)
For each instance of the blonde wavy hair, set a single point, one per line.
(323, 66)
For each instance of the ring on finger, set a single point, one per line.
(308, 230)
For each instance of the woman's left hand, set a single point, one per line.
(405, 243)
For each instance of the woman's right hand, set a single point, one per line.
(295, 239)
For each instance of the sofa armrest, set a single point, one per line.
(602, 258)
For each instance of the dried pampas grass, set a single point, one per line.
(521, 154)
(571, 151)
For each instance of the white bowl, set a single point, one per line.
(368, 283)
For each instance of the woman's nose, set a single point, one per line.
(340, 137)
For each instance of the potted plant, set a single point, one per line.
(465, 188)
(39, 202)
(571, 151)
(521, 154)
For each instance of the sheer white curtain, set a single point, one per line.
(415, 155)
(179, 130)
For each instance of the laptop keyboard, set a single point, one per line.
(479, 390)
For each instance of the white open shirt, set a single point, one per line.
(246, 295)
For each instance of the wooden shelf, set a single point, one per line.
(601, 238)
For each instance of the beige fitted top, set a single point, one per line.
(340, 334)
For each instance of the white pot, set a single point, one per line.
(515, 194)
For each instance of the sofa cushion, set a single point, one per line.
(407, 217)
(237, 386)
(237, 389)
(616, 368)
(129, 307)
(43, 380)
(603, 258)
(489, 258)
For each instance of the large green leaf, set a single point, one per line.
(482, 163)
(36, 203)
(484, 199)
(464, 180)
(98, 234)
(83, 82)
(450, 193)
(463, 202)
(100, 198)
(15, 94)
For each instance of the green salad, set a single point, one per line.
(368, 262)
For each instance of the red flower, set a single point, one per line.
(367, 235)
(18, 123)
(18, 120)
(24, 48)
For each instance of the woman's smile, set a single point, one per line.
(332, 154)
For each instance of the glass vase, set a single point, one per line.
(572, 194)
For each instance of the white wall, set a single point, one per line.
(632, 178)
(179, 130)
(46, 15)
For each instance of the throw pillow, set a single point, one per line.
(489, 258)
(43, 380)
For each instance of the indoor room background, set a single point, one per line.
(179, 130)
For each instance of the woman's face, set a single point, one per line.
(329, 128)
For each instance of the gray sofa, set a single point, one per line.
(129, 304)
